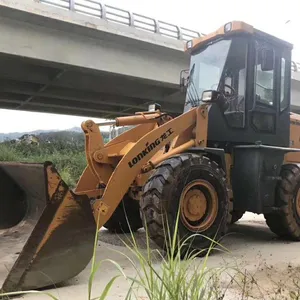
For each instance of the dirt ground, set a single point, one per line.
(273, 263)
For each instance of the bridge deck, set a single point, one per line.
(63, 61)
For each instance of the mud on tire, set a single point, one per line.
(126, 212)
(161, 201)
(286, 222)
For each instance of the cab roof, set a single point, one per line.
(232, 28)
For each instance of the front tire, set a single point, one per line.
(196, 187)
(286, 222)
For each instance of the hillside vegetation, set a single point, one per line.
(65, 149)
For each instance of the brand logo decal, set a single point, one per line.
(150, 147)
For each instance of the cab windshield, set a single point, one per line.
(219, 66)
(206, 70)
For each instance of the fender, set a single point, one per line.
(218, 155)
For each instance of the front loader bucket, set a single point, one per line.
(46, 231)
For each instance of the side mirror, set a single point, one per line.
(184, 78)
(267, 63)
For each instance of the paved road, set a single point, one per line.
(273, 263)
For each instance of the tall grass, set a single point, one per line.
(174, 275)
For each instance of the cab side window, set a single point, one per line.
(263, 118)
(264, 77)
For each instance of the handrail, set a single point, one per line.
(117, 15)
(113, 14)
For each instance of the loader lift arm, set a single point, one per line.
(134, 154)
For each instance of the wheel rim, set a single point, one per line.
(198, 205)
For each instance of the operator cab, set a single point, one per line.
(247, 73)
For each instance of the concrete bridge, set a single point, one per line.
(82, 58)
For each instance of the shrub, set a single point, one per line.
(69, 162)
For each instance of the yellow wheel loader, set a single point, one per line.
(235, 148)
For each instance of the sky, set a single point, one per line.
(276, 17)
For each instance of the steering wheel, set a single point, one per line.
(233, 92)
(225, 85)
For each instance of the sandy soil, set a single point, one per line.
(272, 262)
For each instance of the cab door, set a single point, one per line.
(269, 117)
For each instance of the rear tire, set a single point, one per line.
(286, 222)
(203, 209)
(128, 211)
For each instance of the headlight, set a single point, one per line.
(207, 96)
(210, 96)
(154, 107)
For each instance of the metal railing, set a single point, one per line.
(113, 14)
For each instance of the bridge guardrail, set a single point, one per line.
(117, 15)
(113, 14)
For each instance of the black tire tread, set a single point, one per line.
(153, 204)
(284, 222)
